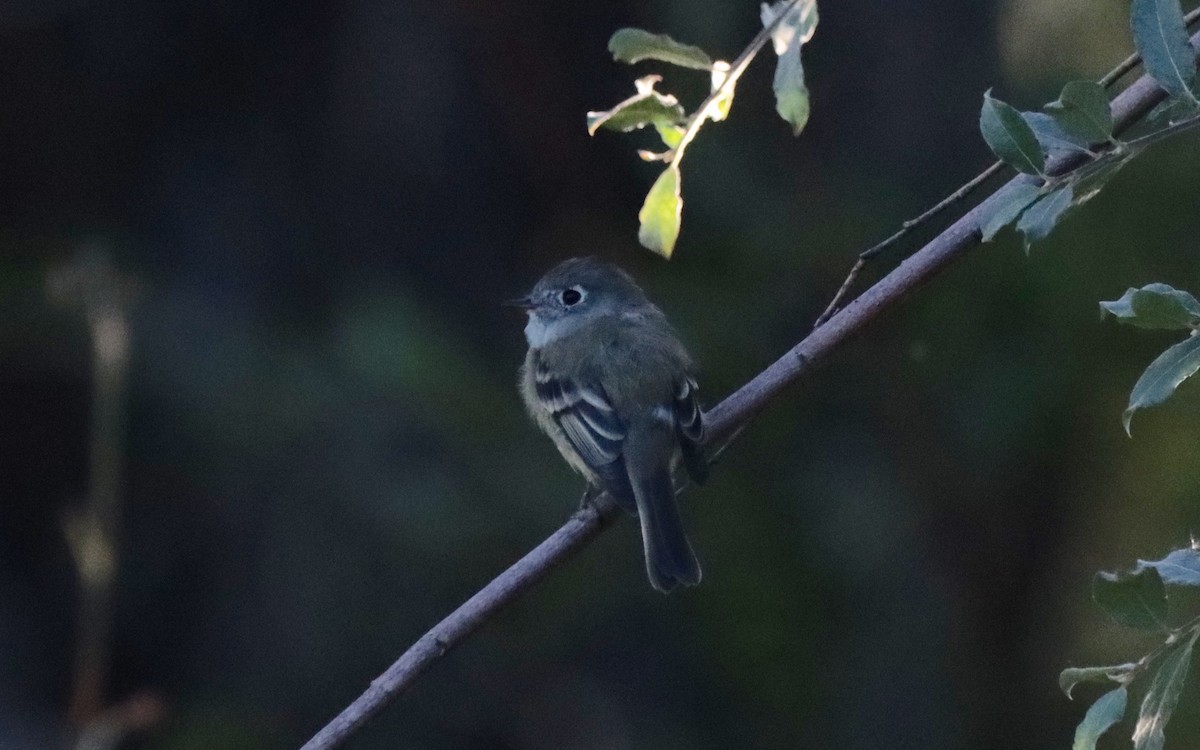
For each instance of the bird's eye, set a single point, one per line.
(571, 296)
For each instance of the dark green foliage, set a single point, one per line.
(1010, 137)
(1079, 119)
(1042, 216)
(1180, 568)
(1162, 41)
(1106, 711)
(1139, 599)
(634, 45)
(792, 31)
(1155, 306)
(1082, 112)
(1163, 694)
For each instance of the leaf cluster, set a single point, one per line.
(1080, 123)
(788, 25)
(1138, 599)
(1158, 306)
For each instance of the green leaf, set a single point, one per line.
(789, 35)
(1180, 568)
(1170, 111)
(671, 135)
(1163, 376)
(1009, 206)
(646, 107)
(1089, 185)
(1137, 599)
(1083, 111)
(661, 214)
(1121, 309)
(1161, 39)
(1072, 676)
(1155, 306)
(1163, 695)
(1040, 219)
(634, 45)
(1010, 137)
(1053, 139)
(1106, 711)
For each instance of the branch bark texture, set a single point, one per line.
(722, 421)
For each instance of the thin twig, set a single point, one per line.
(1106, 81)
(905, 228)
(1173, 129)
(1132, 61)
(722, 421)
(1174, 636)
(736, 68)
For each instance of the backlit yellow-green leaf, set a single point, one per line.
(661, 214)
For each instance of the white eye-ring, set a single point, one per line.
(572, 296)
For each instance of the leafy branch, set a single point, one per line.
(1160, 32)
(1080, 121)
(1158, 306)
(723, 422)
(1139, 599)
(789, 24)
(1077, 119)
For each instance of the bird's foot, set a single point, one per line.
(588, 501)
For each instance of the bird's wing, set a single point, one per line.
(585, 414)
(687, 411)
(689, 423)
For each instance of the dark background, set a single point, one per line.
(321, 204)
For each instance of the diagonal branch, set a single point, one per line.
(1106, 81)
(723, 421)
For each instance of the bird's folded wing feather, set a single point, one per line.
(689, 424)
(585, 414)
(687, 411)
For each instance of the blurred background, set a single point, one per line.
(251, 255)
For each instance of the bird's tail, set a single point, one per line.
(669, 556)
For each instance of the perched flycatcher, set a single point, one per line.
(607, 379)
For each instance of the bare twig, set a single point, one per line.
(905, 228)
(1106, 81)
(723, 421)
(1171, 130)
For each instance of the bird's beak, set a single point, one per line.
(523, 303)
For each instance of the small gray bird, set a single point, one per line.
(607, 379)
